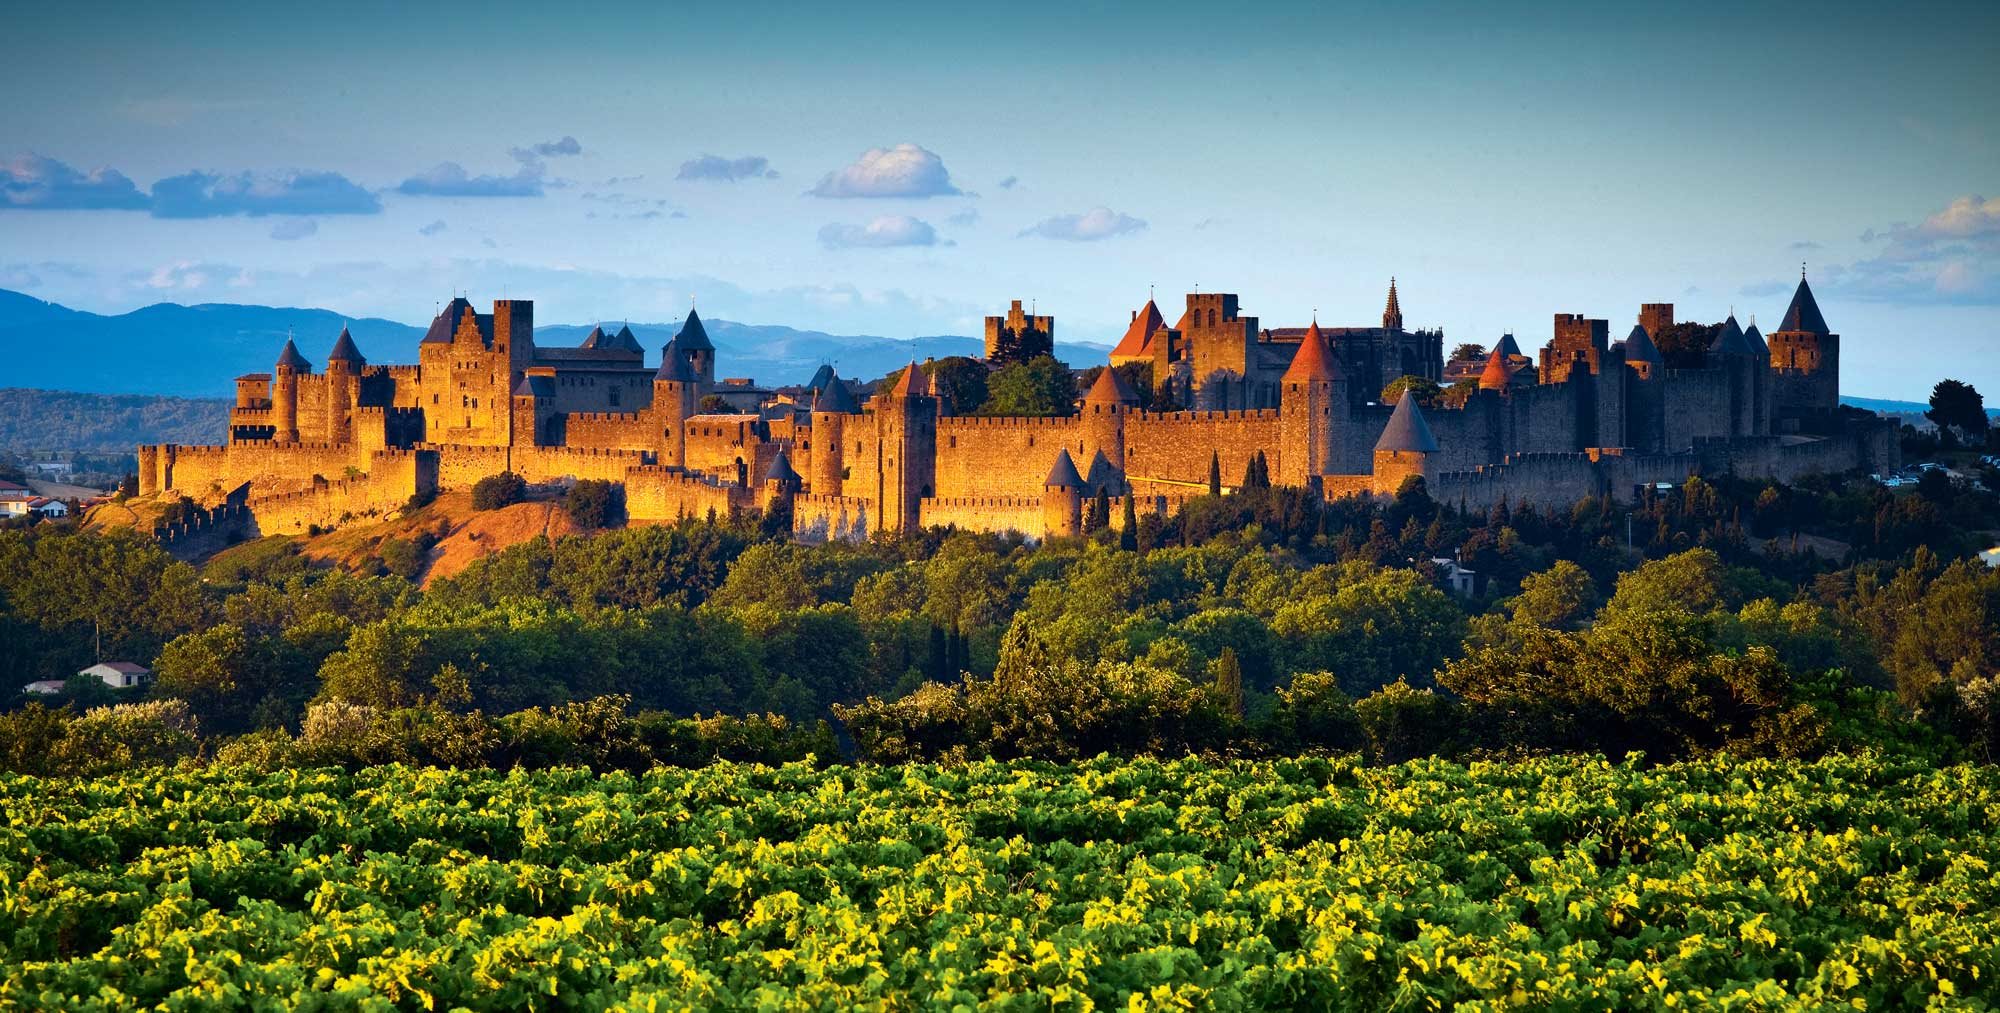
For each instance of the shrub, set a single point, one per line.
(496, 491)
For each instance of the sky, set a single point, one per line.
(907, 169)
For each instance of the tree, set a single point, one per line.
(1558, 597)
(1098, 517)
(963, 382)
(1685, 345)
(1039, 387)
(593, 503)
(1128, 536)
(1228, 673)
(1958, 409)
(496, 491)
(712, 404)
(128, 486)
(1469, 350)
(1425, 390)
(1215, 473)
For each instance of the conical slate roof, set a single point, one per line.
(1755, 339)
(693, 336)
(1312, 362)
(1496, 375)
(535, 386)
(1407, 430)
(1804, 312)
(821, 377)
(1508, 346)
(626, 341)
(1639, 346)
(835, 397)
(1730, 341)
(446, 323)
(292, 360)
(1140, 334)
(594, 339)
(344, 350)
(1063, 475)
(1102, 474)
(1111, 388)
(674, 366)
(781, 469)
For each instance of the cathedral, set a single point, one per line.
(311, 449)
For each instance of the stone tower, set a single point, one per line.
(1805, 366)
(1062, 499)
(1312, 405)
(1645, 391)
(675, 394)
(1392, 314)
(1110, 400)
(1733, 354)
(1405, 449)
(285, 392)
(1019, 336)
(831, 409)
(343, 387)
(693, 342)
(781, 482)
(906, 433)
(534, 409)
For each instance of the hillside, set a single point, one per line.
(40, 420)
(195, 351)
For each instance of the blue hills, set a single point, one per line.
(196, 351)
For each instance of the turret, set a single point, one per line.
(1062, 499)
(1804, 360)
(1105, 408)
(674, 399)
(781, 482)
(938, 393)
(831, 409)
(534, 403)
(285, 392)
(906, 433)
(1734, 355)
(1405, 448)
(1645, 401)
(694, 343)
(343, 387)
(1312, 409)
(1496, 375)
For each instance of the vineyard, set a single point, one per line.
(1131, 884)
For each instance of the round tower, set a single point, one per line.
(1062, 499)
(285, 392)
(675, 395)
(343, 388)
(693, 343)
(1405, 449)
(1312, 407)
(781, 482)
(1110, 399)
(831, 408)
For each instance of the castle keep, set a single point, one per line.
(1588, 417)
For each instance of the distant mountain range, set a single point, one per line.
(195, 351)
(1886, 406)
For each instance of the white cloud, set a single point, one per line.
(887, 230)
(449, 179)
(291, 192)
(905, 170)
(1097, 223)
(33, 181)
(716, 168)
(1953, 256)
(1965, 218)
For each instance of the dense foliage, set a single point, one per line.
(1298, 884)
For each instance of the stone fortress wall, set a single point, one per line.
(1596, 418)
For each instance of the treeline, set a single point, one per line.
(32, 420)
(1256, 623)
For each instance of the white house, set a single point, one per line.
(49, 507)
(43, 687)
(15, 499)
(1462, 581)
(118, 674)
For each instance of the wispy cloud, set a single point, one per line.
(1010, 182)
(449, 179)
(1097, 223)
(1952, 256)
(433, 228)
(905, 170)
(715, 168)
(547, 149)
(885, 231)
(294, 228)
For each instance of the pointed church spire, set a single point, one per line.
(1392, 315)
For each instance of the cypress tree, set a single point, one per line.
(1128, 539)
(1215, 473)
(1229, 681)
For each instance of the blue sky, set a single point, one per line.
(904, 170)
